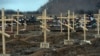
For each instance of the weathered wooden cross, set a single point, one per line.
(3, 34)
(18, 15)
(68, 41)
(85, 29)
(98, 26)
(44, 29)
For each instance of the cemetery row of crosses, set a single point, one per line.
(70, 35)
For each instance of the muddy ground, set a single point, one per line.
(28, 43)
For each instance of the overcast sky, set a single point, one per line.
(22, 5)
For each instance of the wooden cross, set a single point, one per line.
(18, 15)
(85, 29)
(3, 34)
(73, 18)
(44, 29)
(68, 25)
(68, 41)
(98, 26)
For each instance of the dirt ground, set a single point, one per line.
(28, 43)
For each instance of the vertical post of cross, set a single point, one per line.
(85, 27)
(73, 19)
(25, 25)
(3, 30)
(17, 20)
(68, 24)
(98, 25)
(42, 21)
(45, 24)
(12, 24)
(3, 33)
(61, 21)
